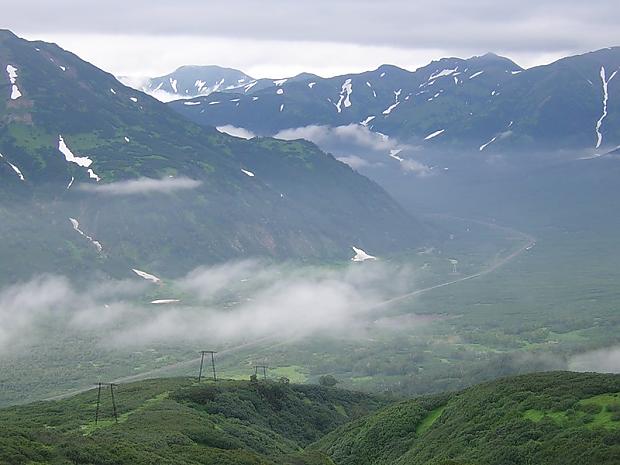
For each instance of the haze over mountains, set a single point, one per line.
(482, 104)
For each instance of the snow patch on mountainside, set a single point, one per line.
(249, 86)
(367, 120)
(345, 95)
(173, 84)
(15, 168)
(443, 72)
(605, 81)
(389, 109)
(248, 173)
(12, 72)
(394, 154)
(476, 74)
(147, 276)
(434, 134)
(361, 256)
(84, 162)
(486, 144)
(76, 226)
(17, 171)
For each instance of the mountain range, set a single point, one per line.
(482, 104)
(95, 175)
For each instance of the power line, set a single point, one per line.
(114, 411)
(202, 360)
(263, 368)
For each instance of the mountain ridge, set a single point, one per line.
(74, 124)
(483, 103)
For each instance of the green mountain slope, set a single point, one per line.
(175, 421)
(549, 418)
(260, 197)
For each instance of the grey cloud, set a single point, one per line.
(480, 25)
(142, 186)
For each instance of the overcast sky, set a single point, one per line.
(277, 38)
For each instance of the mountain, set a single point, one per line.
(485, 103)
(193, 81)
(98, 176)
(547, 418)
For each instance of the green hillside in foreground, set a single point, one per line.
(176, 421)
(549, 418)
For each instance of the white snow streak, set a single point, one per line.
(394, 154)
(249, 173)
(12, 72)
(345, 95)
(280, 82)
(311, 84)
(444, 72)
(484, 146)
(76, 226)
(389, 109)
(147, 276)
(367, 120)
(93, 175)
(189, 104)
(361, 256)
(434, 134)
(599, 123)
(476, 74)
(173, 84)
(84, 162)
(15, 168)
(249, 86)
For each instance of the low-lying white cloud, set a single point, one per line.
(357, 146)
(601, 361)
(236, 132)
(142, 186)
(232, 303)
